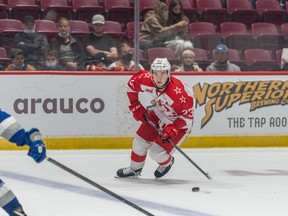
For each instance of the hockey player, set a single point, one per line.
(11, 130)
(173, 114)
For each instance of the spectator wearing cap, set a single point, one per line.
(222, 63)
(18, 64)
(98, 41)
(69, 49)
(33, 44)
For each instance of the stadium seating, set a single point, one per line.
(46, 27)
(130, 30)
(266, 36)
(84, 10)
(260, 59)
(4, 59)
(78, 28)
(3, 8)
(145, 6)
(119, 11)
(204, 35)
(242, 11)
(114, 29)
(54, 9)
(212, 11)
(236, 36)
(270, 11)
(202, 58)
(17, 9)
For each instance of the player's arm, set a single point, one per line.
(12, 131)
(133, 89)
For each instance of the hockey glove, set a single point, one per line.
(169, 132)
(37, 148)
(138, 111)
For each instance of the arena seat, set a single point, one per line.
(260, 60)
(47, 27)
(17, 9)
(270, 11)
(212, 11)
(85, 9)
(3, 8)
(113, 29)
(202, 57)
(204, 35)
(235, 35)
(54, 9)
(242, 11)
(267, 36)
(119, 11)
(145, 6)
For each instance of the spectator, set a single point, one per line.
(222, 63)
(33, 44)
(155, 30)
(98, 41)
(18, 64)
(188, 62)
(125, 62)
(69, 49)
(51, 61)
(179, 40)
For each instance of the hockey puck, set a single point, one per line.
(195, 189)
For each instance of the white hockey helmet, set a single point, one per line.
(160, 64)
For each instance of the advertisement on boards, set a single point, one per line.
(97, 105)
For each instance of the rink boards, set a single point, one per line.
(90, 110)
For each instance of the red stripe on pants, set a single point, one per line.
(137, 158)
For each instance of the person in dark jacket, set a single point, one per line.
(33, 44)
(69, 49)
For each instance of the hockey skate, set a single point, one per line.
(19, 211)
(128, 172)
(162, 170)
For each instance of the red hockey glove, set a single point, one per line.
(138, 111)
(169, 132)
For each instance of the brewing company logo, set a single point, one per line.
(219, 96)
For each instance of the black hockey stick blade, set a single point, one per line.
(177, 147)
(98, 186)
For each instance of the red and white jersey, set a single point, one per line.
(174, 103)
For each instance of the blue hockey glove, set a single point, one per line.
(37, 148)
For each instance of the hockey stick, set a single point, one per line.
(98, 186)
(177, 147)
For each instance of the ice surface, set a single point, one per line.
(246, 182)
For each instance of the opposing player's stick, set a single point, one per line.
(176, 147)
(98, 186)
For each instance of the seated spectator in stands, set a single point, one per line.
(51, 61)
(180, 40)
(33, 44)
(155, 28)
(125, 62)
(17, 57)
(188, 62)
(98, 41)
(70, 50)
(222, 63)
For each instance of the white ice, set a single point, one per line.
(246, 182)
